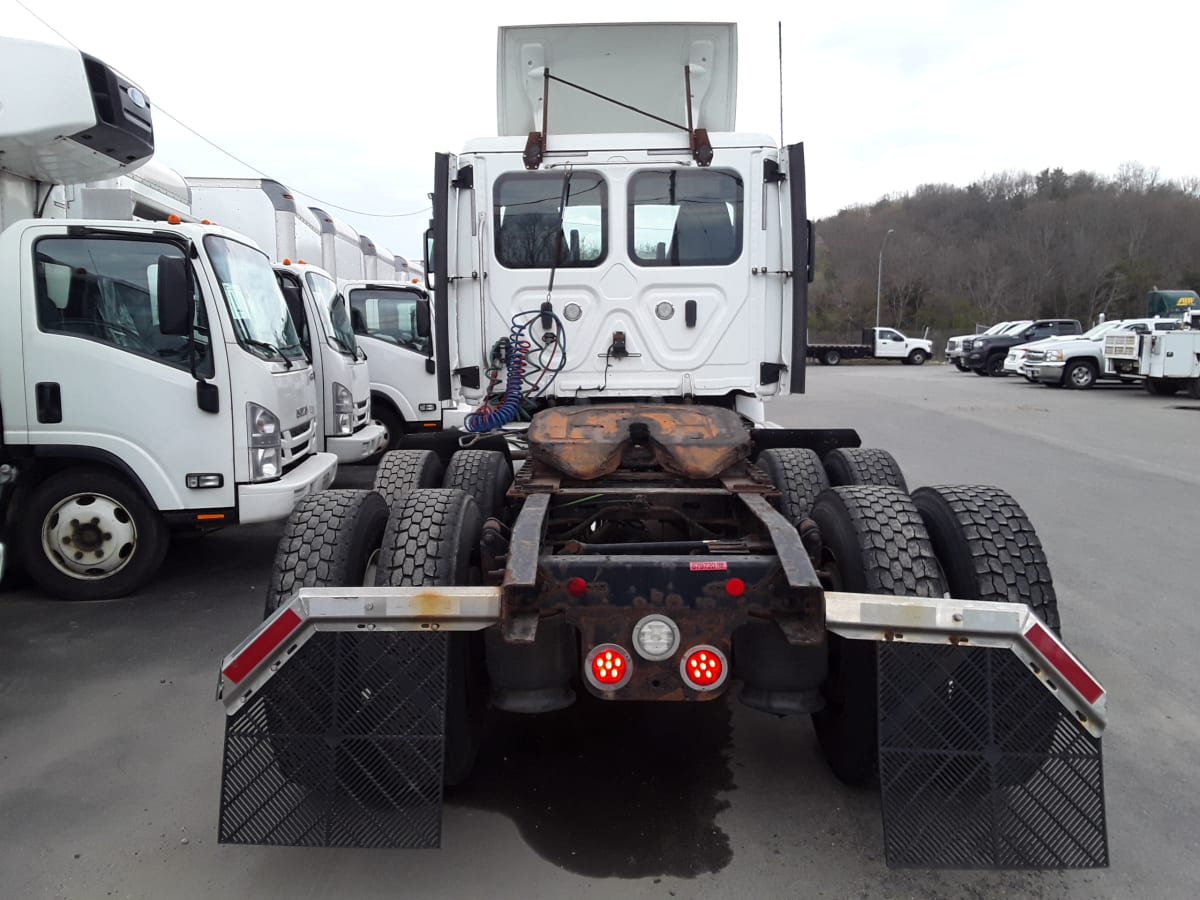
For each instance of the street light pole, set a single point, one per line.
(879, 283)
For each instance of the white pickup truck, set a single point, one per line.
(1078, 362)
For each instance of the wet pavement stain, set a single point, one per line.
(610, 789)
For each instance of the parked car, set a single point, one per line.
(986, 355)
(954, 345)
(1079, 362)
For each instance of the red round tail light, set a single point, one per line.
(608, 667)
(704, 668)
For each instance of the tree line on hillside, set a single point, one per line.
(1011, 245)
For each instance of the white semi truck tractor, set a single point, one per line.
(621, 286)
(150, 375)
(267, 211)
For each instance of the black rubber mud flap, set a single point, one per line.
(980, 766)
(343, 747)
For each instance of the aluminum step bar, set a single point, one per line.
(869, 617)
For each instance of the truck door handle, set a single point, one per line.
(689, 313)
(49, 402)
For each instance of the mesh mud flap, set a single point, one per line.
(981, 766)
(342, 747)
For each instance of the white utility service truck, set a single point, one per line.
(621, 283)
(267, 211)
(150, 376)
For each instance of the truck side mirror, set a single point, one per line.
(424, 326)
(174, 296)
(429, 259)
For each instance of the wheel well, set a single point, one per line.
(379, 398)
(49, 460)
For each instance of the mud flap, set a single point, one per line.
(980, 766)
(342, 747)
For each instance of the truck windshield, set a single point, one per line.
(256, 305)
(333, 305)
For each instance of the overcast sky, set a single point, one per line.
(349, 105)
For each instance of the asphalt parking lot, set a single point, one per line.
(110, 737)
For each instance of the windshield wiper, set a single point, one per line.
(263, 345)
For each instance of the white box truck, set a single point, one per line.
(391, 321)
(150, 376)
(267, 211)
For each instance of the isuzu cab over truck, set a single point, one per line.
(623, 289)
(150, 377)
(267, 211)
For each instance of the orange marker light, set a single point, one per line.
(173, 219)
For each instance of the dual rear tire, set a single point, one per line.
(973, 542)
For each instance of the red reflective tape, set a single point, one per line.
(274, 635)
(1056, 654)
(721, 566)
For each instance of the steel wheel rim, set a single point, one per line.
(1080, 376)
(89, 536)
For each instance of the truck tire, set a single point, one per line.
(383, 414)
(799, 477)
(989, 551)
(831, 358)
(331, 539)
(995, 365)
(860, 465)
(401, 471)
(1194, 389)
(432, 538)
(1161, 387)
(484, 474)
(960, 365)
(917, 358)
(88, 534)
(988, 547)
(1080, 374)
(873, 542)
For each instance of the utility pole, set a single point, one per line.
(879, 283)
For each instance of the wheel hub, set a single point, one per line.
(89, 536)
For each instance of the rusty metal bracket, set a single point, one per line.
(518, 591)
(804, 622)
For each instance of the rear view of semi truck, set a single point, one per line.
(622, 293)
(150, 377)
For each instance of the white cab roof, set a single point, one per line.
(637, 63)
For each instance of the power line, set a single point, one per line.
(234, 157)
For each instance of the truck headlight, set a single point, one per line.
(1054, 356)
(343, 409)
(266, 446)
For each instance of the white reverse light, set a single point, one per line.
(655, 637)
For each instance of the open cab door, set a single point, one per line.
(799, 241)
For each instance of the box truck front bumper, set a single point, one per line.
(276, 499)
(354, 448)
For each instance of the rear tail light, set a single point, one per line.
(609, 667)
(704, 668)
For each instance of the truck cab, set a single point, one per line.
(391, 322)
(268, 212)
(151, 378)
